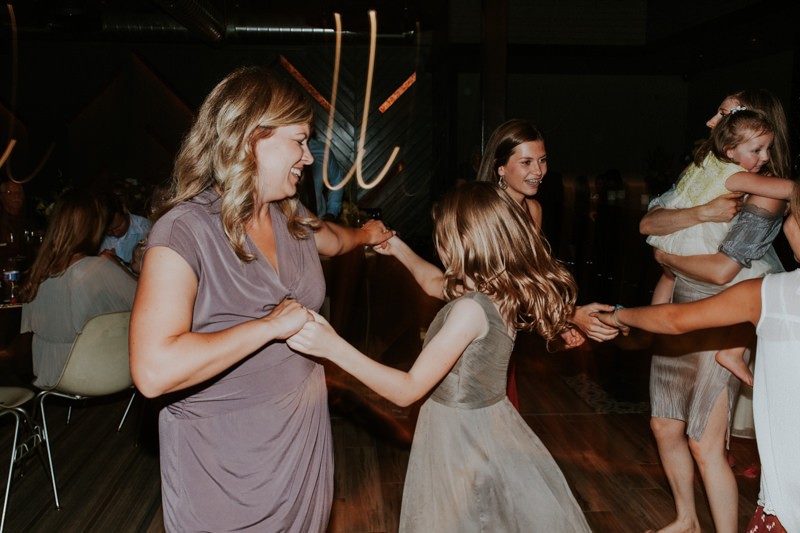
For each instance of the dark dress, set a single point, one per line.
(475, 464)
(251, 449)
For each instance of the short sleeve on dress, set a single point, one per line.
(176, 231)
(751, 235)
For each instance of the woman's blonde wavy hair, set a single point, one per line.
(76, 226)
(219, 150)
(481, 233)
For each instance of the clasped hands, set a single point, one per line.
(585, 324)
(303, 329)
(377, 233)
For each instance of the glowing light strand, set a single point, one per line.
(337, 18)
(357, 167)
(12, 141)
(373, 38)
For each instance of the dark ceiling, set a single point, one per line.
(215, 22)
(601, 36)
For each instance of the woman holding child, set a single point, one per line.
(691, 395)
(772, 305)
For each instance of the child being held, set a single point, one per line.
(731, 160)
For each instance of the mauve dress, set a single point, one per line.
(250, 450)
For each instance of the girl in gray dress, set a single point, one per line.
(475, 465)
(230, 268)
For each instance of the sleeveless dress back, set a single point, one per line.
(475, 464)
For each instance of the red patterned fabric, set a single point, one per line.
(764, 523)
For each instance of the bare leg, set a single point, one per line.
(733, 360)
(673, 449)
(718, 478)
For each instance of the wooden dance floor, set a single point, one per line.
(589, 407)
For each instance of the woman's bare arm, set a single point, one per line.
(334, 239)
(717, 268)
(735, 305)
(427, 275)
(165, 354)
(465, 323)
(663, 221)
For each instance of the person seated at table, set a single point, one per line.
(125, 231)
(69, 283)
(16, 217)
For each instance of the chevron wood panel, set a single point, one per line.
(403, 195)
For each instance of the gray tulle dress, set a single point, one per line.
(475, 465)
(250, 450)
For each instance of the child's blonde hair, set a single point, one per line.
(734, 129)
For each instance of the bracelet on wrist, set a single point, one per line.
(614, 317)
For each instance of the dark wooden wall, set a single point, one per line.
(404, 194)
(116, 112)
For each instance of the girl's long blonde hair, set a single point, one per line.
(483, 235)
(219, 150)
(76, 226)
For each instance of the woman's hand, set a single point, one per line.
(660, 256)
(571, 338)
(111, 255)
(288, 317)
(722, 208)
(585, 318)
(386, 248)
(663, 259)
(376, 233)
(609, 319)
(317, 338)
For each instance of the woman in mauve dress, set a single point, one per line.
(231, 268)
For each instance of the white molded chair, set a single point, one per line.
(97, 365)
(12, 401)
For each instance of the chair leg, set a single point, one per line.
(11, 465)
(46, 439)
(125, 414)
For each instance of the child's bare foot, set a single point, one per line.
(733, 361)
